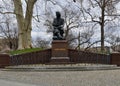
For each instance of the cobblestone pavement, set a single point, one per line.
(64, 78)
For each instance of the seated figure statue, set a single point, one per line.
(58, 25)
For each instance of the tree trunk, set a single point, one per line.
(102, 26)
(20, 21)
(24, 24)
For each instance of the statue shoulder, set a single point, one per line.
(54, 19)
(62, 19)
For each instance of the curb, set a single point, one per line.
(60, 69)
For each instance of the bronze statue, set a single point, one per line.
(58, 25)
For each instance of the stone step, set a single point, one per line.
(60, 63)
(60, 59)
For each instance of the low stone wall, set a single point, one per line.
(115, 59)
(88, 57)
(44, 56)
(4, 60)
(37, 57)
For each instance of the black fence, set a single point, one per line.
(37, 57)
(88, 57)
(44, 56)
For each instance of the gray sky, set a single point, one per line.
(38, 27)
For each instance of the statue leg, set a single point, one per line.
(61, 33)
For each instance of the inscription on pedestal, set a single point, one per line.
(59, 48)
(60, 51)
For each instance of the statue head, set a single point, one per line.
(58, 15)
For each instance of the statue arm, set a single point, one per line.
(62, 22)
(54, 23)
(62, 25)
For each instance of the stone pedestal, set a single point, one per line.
(4, 60)
(59, 51)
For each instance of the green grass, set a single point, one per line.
(24, 51)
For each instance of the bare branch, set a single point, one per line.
(92, 44)
(7, 13)
(92, 18)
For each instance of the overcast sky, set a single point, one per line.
(39, 29)
(54, 8)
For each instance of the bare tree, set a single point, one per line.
(107, 12)
(114, 41)
(72, 19)
(24, 23)
(85, 39)
(9, 33)
(113, 37)
(41, 43)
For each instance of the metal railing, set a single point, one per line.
(88, 57)
(37, 57)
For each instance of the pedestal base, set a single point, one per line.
(59, 51)
(60, 59)
(59, 48)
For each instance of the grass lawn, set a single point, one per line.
(24, 51)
